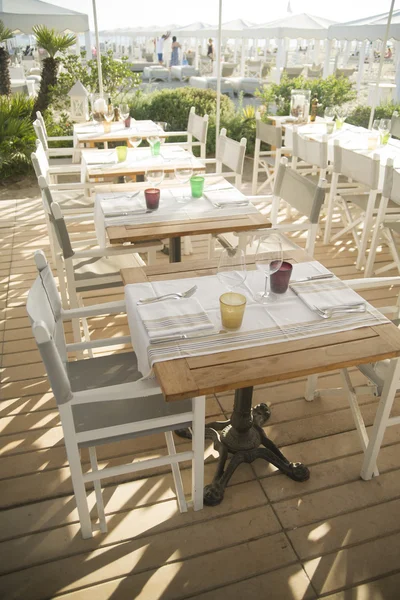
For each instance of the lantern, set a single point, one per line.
(79, 103)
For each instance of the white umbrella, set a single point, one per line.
(385, 39)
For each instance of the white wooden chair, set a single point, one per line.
(197, 129)
(54, 138)
(383, 381)
(266, 161)
(395, 124)
(230, 154)
(53, 172)
(363, 170)
(104, 399)
(309, 157)
(297, 192)
(387, 222)
(56, 153)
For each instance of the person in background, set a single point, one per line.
(388, 53)
(210, 49)
(160, 46)
(175, 52)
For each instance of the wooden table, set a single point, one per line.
(97, 173)
(241, 370)
(118, 133)
(174, 230)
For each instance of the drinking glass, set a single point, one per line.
(232, 268)
(375, 125)
(155, 176)
(341, 115)
(183, 173)
(163, 125)
(135, 141)
(124, 111)
(155, 144)
(269, 258)
(329, 113)
(384, 130)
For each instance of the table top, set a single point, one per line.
(218, 222)
(94, 132)
(138, 161)
(188, 377)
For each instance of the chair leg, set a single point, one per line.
(199, 411)
(97, 490)
(180, 494)
(187, 245)
(311, 393)
(357, 416)
(211, 246)
(151, 256)
(381, 419)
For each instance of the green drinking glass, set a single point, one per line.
(197, 186)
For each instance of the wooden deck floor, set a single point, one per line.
(334, 536)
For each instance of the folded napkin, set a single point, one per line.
(170, 317)
(326, 293)
(225, 196)
(102, 159)
(113, 207)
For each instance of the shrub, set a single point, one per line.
(17, 137)
(173, 107)
(118, 78)
(330, 92)
(360, 115)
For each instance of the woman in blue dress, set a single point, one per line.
(175, 52)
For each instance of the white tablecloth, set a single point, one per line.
(170, 209)
(286, 319)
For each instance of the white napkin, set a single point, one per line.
(114, 207)
(225, 196)
(326, 293)
(169, 317)
(109, 158)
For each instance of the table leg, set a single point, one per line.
(175, 250)
(244, 439)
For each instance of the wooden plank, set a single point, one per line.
(170, 229)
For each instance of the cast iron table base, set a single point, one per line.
(243, 438)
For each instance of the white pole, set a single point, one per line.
(219, 44)
(361, 65)
(384, 44)
(243, 57)
(327, 61)
(96, 31)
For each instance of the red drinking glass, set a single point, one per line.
(280, 279)
(152, 196)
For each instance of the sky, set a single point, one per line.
(136, 13)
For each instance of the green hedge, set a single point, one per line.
(17, 137)
(360, 115)
(173, 107)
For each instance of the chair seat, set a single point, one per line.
(117, 369)
(376, 373)
(69, 199)
(104, 266)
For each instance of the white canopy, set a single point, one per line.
(22, 15)
(231, 29)
(369, 28)
(302, 26)
(197, 29)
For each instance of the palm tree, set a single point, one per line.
(52, 41)
(5, 82)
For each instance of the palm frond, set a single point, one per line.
(5, 33)
(52, 40)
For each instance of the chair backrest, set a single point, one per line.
(231, 153)
(40, 134)
(301, 193)
(391, 183)
(47, 197)
(311, 151)
(40, 161)
(270, 134)
(198, 126)
(293, 71)
(361, 168)
(17, 73)
(395, 125)
(39, 117)
(60, 230)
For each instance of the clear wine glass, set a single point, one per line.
(269, 258)
(183, 173)
(384, 130)
(232, 268)
(341, 115)
(134, 141)
(375, 125)
(329, 113)
(155, 176)
(124, 111)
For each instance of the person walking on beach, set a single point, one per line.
(160, 46)
(175, 52)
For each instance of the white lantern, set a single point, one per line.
(79, 103)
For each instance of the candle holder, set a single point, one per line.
(127, 122)
(232, 307)
(300, 105)
(152, 196)
(280, 279)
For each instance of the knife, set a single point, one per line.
(185, 336)
(315, 278)
(128, 213)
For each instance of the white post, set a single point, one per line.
(397, 76)
(376, 90)
(243, 57)
(96, 30)
(196, 54)
(279, 60)
(235, 50)
(266, 48)
(218, 113)
(346, 53)
(316, 52)
(88, 45)
(327, 61)
(361, 62)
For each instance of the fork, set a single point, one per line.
(346, 308)
(175, 295)
(225, 204)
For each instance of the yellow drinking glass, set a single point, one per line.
(122, 152)
(232, 307)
